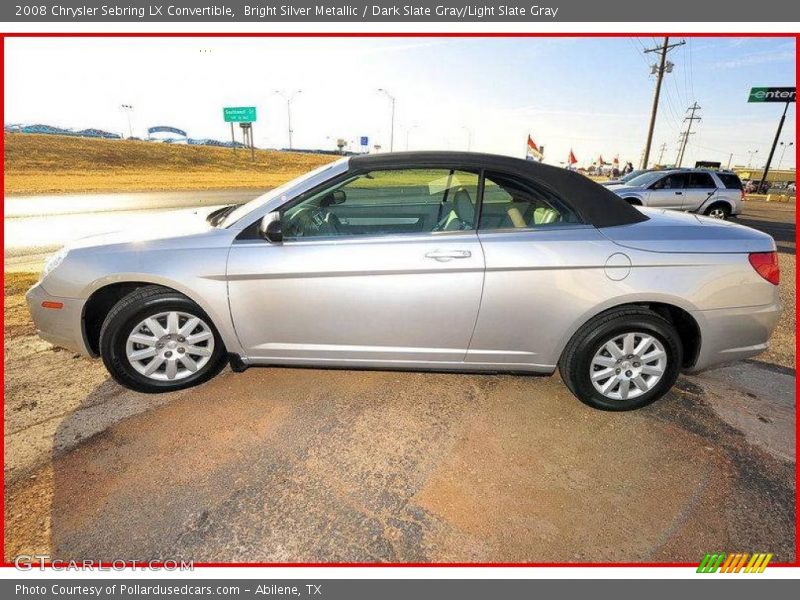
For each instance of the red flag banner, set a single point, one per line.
(533, 150)
(572, 160)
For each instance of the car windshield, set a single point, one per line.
(256, 203)
(645, 179)
(631, 175)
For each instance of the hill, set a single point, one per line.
(50, 164)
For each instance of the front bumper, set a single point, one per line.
(60, 326)
(734, 333)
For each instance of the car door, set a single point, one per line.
(667, 192)
(699, 188)
(383, 268)
(543, 267)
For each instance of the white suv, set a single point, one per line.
(717, 194)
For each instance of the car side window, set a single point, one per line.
(731, 181)
(387, 202)
(509, 203)
(701, 181)
(676, 181)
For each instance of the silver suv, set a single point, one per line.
(717, 194)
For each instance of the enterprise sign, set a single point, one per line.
(773, 94)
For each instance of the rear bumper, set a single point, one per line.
(734, 333)
(59, 326)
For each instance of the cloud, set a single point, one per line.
(759, 58)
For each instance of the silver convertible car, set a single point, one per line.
(438, 261)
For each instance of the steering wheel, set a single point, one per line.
(310, 221)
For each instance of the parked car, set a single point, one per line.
(438, 261)
(717, 194)
(625, 178)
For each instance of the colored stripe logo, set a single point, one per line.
(734, 563)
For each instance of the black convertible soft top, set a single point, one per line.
(594, 204)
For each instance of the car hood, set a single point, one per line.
(673, 231)
(164, 230)
(622, 187)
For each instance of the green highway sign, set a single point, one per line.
(772, 94)
(239, 114)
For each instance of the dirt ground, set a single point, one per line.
(277, 465)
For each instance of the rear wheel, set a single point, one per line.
(718, 211)
(158, 340)
(622, 360)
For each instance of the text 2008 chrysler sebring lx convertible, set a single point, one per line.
(430, 260)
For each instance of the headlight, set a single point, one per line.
(54, 261)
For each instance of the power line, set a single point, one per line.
(637, 49)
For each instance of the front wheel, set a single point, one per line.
(622, 360)
(158, 340)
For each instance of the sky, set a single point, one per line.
(591, 95)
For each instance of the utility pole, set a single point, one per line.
(730, 158)
(685, 135)
(661, 153)
(289, 98)
(391, 136)
(658, 70)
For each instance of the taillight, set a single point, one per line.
(766, 265)
(742, 192)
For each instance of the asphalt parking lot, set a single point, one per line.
(305, 465)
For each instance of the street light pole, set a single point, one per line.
(391, 135)
(784, 146)
(288, 98)
(128, 109)
(750, 154)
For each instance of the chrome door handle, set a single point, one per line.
(445, 255)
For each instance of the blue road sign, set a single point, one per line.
(364, 140)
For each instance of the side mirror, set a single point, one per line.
(270, 227)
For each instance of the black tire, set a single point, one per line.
(576, 361)
(132, 310)
(722, 208)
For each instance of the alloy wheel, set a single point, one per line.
(628, 365)
(170, 346)
(717, 213)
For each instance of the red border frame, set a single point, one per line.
(796, 36)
